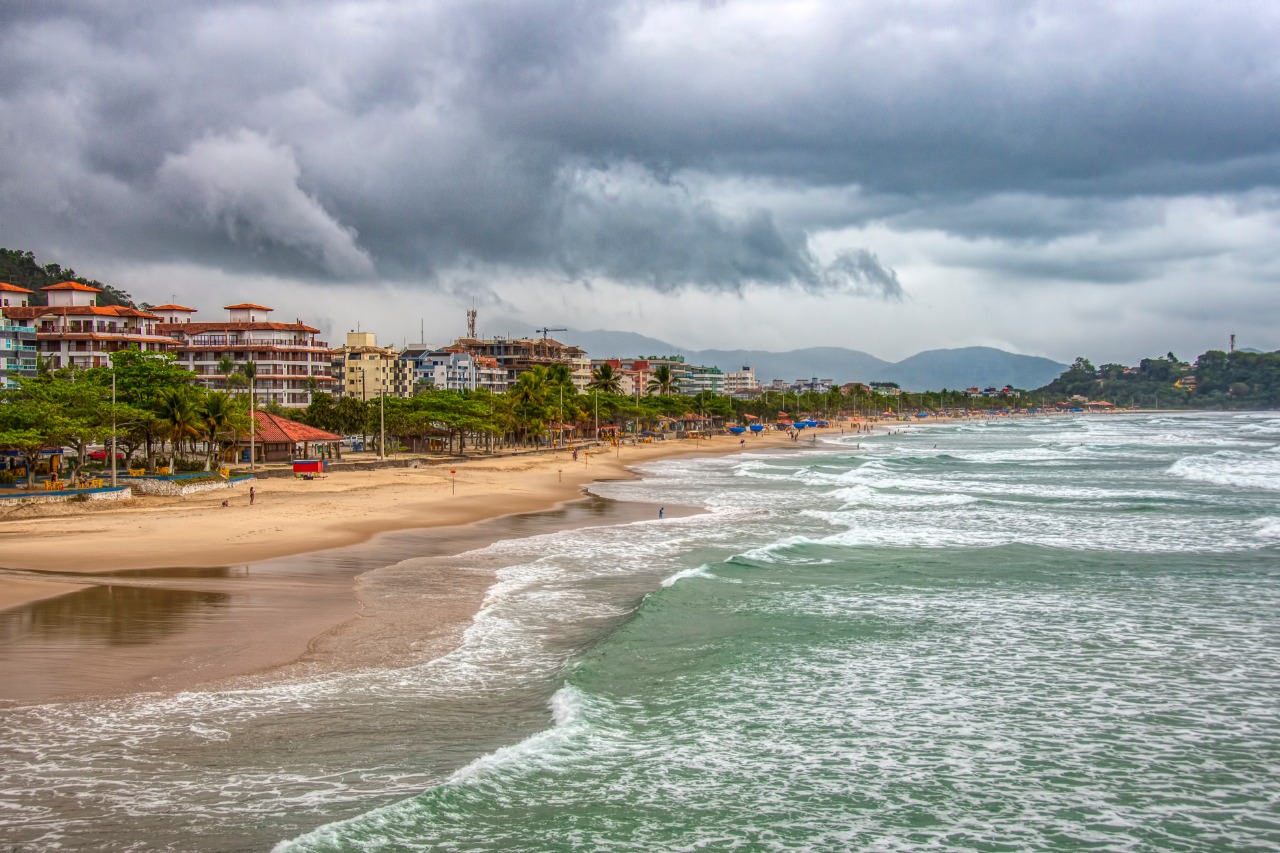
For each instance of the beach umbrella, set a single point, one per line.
(757, 427)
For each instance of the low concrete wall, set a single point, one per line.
(337, 467)
(25, 498)
(177, 487)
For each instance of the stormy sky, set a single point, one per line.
(1052, 178)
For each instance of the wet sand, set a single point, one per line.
(292, 617)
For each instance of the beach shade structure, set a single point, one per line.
(751, 417)
(922, 414)
(757, 427)
(737, 430)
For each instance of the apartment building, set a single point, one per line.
(369, 371)
(74, 330)
(290, 361)
(742, 382)
(453, 369)
(17, 338)
(519, 355)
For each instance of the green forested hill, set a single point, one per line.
(20, 268)
(1217, 380)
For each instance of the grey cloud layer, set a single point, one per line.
(584, 139)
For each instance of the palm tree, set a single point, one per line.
(604, 379)
(217, 414)
(663, 381)
(226, 367)
(177, 417)
(529, 390)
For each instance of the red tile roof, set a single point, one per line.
(237, 326)
(72, 285)
(247, 305)
(275, 430)
(30, 312)
(171, 308)
(13, 288)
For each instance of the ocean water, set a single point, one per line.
(1044, 634)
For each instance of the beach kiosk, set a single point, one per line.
(308, 469)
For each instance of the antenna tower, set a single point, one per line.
(471, 323)
(1233, 343)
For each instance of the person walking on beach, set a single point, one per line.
(661, 510)
(251, 496)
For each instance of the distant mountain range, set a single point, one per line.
(931, 370)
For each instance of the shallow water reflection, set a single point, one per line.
(115, 615)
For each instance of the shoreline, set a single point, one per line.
(121, 625)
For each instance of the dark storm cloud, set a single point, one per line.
(356, 141)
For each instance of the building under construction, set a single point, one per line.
(519, 355)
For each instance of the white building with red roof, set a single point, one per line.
(74, 330)
(288, 356)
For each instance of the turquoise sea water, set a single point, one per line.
(1044, 634)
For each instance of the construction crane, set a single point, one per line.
(546, 330)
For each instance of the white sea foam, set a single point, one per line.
(696, 572)
(1232, 469)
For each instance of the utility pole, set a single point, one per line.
(113, 424)
(382, 424)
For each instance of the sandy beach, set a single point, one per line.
(187, 592)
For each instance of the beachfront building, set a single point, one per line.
(699, 379)
(17, 338)
(742, 383)
(290, 362)
(519, 355)
(454, 369)
(74, 330)
(278, 439)
(369, 371)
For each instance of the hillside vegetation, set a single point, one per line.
(21, 268)
(1216, 380)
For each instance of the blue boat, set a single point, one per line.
(757, 427)
(737, 430)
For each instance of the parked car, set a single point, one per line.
(100, 455)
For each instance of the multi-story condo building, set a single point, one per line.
(453, 369)
(369, 371)
(17, 338)
(290, 362)
(519, 355)
(73, 330)
(742, 382)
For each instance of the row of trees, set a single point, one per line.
(156, 407)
